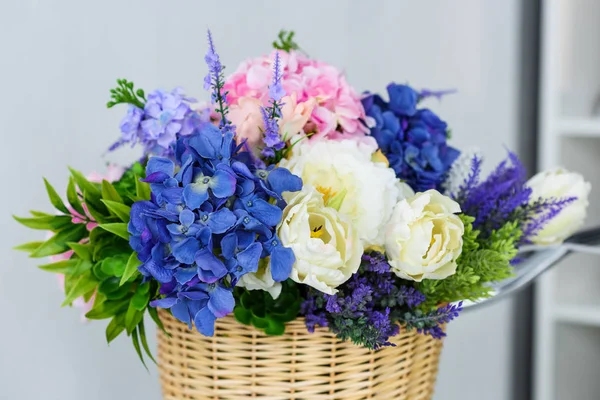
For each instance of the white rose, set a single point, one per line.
(424, 237)
(327, 248)
(559, 183)
(368, 188)
(261, 279)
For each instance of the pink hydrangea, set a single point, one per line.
(335, 108)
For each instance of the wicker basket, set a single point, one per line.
(240, 362)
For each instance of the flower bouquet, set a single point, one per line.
(318, 240)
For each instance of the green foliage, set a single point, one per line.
(258, 308)
(125, 94)
(285, 41)
(103, 264)
(482, 261)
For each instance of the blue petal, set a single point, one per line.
(205, 322)
(195, 194)
(181, 312)
(223, 183)
(158, 272)
(195, 295)
(249, 257)
(207, 143)
(229, 245)
(184, 275)
(221, 301)
(167, 302)
(282, 180)
(221, 221)
(172, 195)
(263, 211)
(282, 261)
(187, 217)
(185, 250)
(160, 164)
(210, 268)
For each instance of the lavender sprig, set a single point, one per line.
(215, 79)
(438, 94)
(272, 139)
(431, 323)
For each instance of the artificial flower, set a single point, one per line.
(424, 237)
(262, 279)
(559, 183)
(367, 190)
(326, 246)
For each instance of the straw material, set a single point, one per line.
(241, 362)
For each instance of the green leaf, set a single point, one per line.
(47, 223)
(110, 193)
(41, 214)
(109, 285)
(242, 315)
(132, 318)
(114, 266)
(142, 331)
(119, 229)
(142, 189)
(83, 251)
(55, 198)
(60, 267)
(275, 328)
(82, 267)
(107, 309)
(140, 299)
(118, 209)
(113, 330)
(131, 268)
(96, 208)
(154, 315)
(28, 247)
(85, 185)
(136, 345)
(73, 197)
(57, 244)
(84, 284)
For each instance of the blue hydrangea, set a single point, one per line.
(211, 218)
(414, 140)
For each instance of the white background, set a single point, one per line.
(60, 58)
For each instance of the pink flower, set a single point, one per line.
(295, 115)
(245, 114)
(335, 108)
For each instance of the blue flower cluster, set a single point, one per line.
(413, 140)
(208, 223)
(165, 117)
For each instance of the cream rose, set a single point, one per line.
(327, 249)
(559, 183)
(424, 237)
(345, 167)
(261, 279)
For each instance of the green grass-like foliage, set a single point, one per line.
(482, 261)
(285, 41)
(258, 308)
(102, 263)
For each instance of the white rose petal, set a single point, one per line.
(424, 237)
(327, 249)
(261, 280)
(333, 167)
(559, 183)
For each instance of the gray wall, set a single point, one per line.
(60, 58)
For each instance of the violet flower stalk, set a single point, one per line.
(215, 79)
(272, 140)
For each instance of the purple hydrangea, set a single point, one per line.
(414, 140)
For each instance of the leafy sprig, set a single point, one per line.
(125, 93)
(103, 264)
(285, 41)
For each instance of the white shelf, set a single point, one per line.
(579, 127)
(578, 314)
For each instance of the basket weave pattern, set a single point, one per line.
(241, 362)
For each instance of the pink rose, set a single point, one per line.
(245, 114)
(294, 115)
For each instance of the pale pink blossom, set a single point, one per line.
(295, 115)
(336, 109)
(245, 114)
